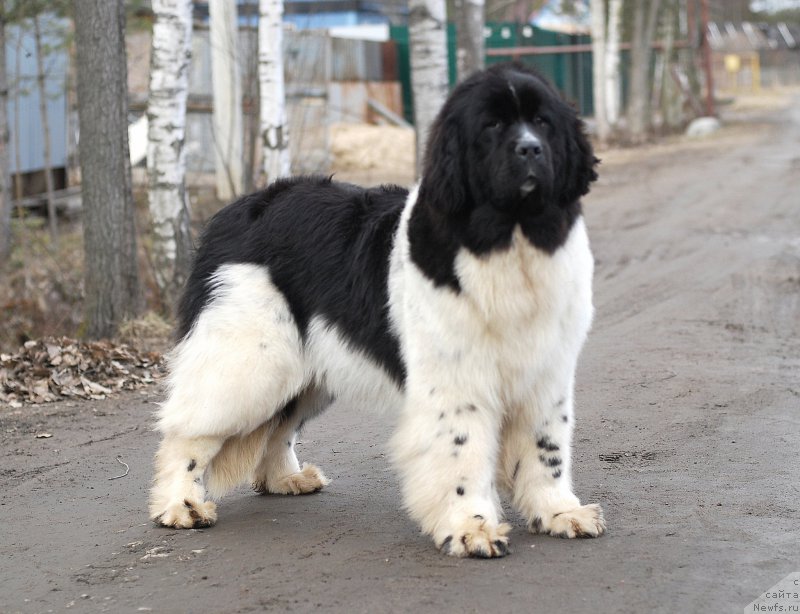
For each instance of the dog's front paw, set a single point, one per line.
(477, 538)
(309, 479)
(582, 521)
(187, 515)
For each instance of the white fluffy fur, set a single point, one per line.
(491, 367)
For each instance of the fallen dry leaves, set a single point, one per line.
(54, 368)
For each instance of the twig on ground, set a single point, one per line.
(127, 470)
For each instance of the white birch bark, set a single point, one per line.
(166, 156)
(227, 87)
(427, 32)
(613, 80)
(471, 45)
(598, 24)
(274, 123)
(5, 166)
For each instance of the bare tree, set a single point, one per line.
(605, 23)
(427, 33)
(227, 89)
(470, 43)
(166, 156)
(272, 91)
(5, 167)
(598, 20)
(613, 85)
(645, 18)
(48, 159)
(109, 232)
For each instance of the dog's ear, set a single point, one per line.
(443, 181)
(578, 164)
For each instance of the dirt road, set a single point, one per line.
(688, 408)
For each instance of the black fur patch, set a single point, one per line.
(327, 247)
(552, 461)
(460, 440)
(544, 443)
(192, 465)
(460, 490)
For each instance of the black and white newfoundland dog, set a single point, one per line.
(462, 304)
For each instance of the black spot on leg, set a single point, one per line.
(460, 491)
(516, 470)
(460, 440)
(544, 443)
(557, 473)
(553, 461)
(536, 524)
(192, 465)
(471, 407)
(441, 416)
(564, 418)
(561, 401)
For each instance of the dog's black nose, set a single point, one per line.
(528, 147)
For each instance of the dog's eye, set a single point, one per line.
(492, 126)
(539, 121)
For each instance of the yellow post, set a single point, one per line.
(755, 69)
(733, 64)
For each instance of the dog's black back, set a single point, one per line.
(326, 245)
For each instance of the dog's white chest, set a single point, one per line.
(517, 309)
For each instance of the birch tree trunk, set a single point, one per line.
(427, 32)
(48, 162)
(5, 165)
(166, 134)
(470, 42)
(645, 18)
(17, 126)
(613, 85)
(109, 230)
(598, 25)
(272, 91)
(227, 86)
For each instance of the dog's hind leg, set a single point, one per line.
(279, 471)
(238, 366)
(178, 496)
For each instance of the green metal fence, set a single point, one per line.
(570, 72)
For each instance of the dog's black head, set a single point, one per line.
(506, 150)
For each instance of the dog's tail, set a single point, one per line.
(236, 461)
